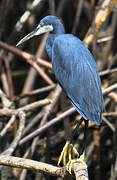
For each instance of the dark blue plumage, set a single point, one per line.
(76, 71)
(74, 68)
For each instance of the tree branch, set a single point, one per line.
(30, 164)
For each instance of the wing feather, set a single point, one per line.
(77, 73)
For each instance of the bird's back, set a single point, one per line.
(76, 71)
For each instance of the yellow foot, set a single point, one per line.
(72, 161)
(67, 150)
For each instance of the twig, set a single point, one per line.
(110, 114)
(9, 76)
(4, 78)
(26, 15)
(5, 101)
(34, 121)
(108, 123)
(34, 92)
(113, 95)
(49, 108)
(25, 55)
(114, 58)
(8, 112)
(109, 89)
(108, 71)
(3, 132)
(104, 39)
(31, 60)
(78, 14)
(13, 145)
(47, 125)
(35, 105)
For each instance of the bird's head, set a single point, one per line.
(47, 24)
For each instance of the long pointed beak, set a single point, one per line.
(29, 36)
(37, 31)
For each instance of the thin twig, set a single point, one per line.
(29, 107)
(34, 92)
(5, 101)
(11, 121)
(108, 71)
(109, 89)
(108, 124)
(4, 78)
(33, 121)
(110, 114)
(31, 60)
(13, 145)
(26, 15)
(47, 125)
(78, 13)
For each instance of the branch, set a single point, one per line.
(8, 125)
(31, 60)
(30, 164)
(13, 145)
(29, 107)
(80, 171)
(5, 101)
(25, 55)
(26, 15)
(106, 8)
(109, 89)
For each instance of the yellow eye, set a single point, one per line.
(41, 24)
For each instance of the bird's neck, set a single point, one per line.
(58, 29)
(49, 43)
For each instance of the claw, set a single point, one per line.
(67, 150)
(72, 161)
(64, 154)
(75, 151)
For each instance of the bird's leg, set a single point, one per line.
(85, 137)
(80, 156)
(68, 146)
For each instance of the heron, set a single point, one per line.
(76, 71)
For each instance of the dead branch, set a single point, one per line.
(80, 169)
(30, 164)
(29, 107)
(13, 145)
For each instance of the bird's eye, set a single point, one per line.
(41, 24)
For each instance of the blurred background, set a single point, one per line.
(22, 80)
